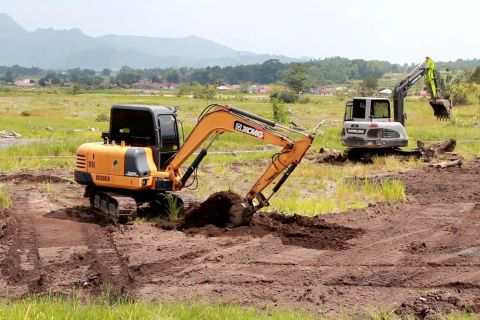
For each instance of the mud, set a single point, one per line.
(214, 210)
(296, 230)
(419, 257)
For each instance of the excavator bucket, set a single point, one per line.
(222, 209)
(442, 108)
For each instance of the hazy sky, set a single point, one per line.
(398, 31)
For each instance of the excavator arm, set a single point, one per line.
(217, 119)
(441, 107)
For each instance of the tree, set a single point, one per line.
(106, 72)
(370, 83)
(127, 76)
(155, 78)
(9, 77)
(173, 76)
(279, 111)
(296, 78)
(475, 76)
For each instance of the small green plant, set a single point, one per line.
(102, 117)
(284, 96)
(52, 90)
(304, 99)
(77, 88)
(279, 111)
(4, 198)
(393, 190)
(173, 208)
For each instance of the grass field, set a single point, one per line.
(72, 308)
(312, 189)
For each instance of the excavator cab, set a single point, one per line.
(146, 126)
(367, 125)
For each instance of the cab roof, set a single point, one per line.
(156, 110)
(370, 98)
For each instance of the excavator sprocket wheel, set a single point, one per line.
(113, 207)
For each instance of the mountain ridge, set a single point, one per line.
(71, 48)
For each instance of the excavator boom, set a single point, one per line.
(140, 158)
(218, 119)
(441, 107)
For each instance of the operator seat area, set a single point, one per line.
(146, 126)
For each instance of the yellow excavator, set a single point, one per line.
(140, 157)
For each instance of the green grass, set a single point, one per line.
(48, 307)
(313, 188)
(4, 197)
(71, 308)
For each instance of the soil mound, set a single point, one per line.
(325, 155)
(307, 232)
(433, 305)
(214, 210)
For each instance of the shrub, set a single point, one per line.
(183, 91)
(25, 113)
(284, 96)
(304, 99)
(77, 88)
(279, 111)
(204, 92)
(102, 117)
(459, 93)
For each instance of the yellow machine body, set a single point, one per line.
(109, 166)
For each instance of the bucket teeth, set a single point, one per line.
(441, 108)
(240, 214)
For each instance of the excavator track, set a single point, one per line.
(114, 207)
(187, 200)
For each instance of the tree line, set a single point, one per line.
(335, 70)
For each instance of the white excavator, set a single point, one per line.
(368, 129)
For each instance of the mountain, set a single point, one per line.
(61, 49)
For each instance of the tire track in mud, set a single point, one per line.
(21, 267)
(57, 244)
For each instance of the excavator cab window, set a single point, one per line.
(168, 133)
(348, 111)
(169, 139)
(359, 109)
(132, 126)
(380, 109)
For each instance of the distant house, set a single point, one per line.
(145, 84)
(386, 91)
(323, 91)
(255, 88)
(224, 87)
(423, 93)
(25, 82)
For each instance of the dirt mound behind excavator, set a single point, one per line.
(211, 219)
(301, 231)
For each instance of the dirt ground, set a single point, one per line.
(418, 257)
